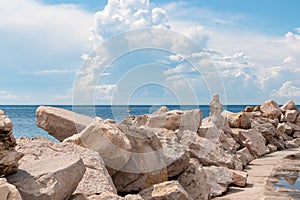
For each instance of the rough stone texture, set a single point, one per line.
(272, 148)
(172, 120)
(5, 123)
(96, 178)
(54, 178)
(296, 134)
(193, 180)
(256, 108)
(295, 143)
(218, 178)
(245, 156)
(215, 116)
(283, 128)
(209, 152)
(170, 190)
(176, 156)
(295, 127)
(239, 178)
(9, 157)
(269, 131)
(237, 120)
(291, 115)
(290, 105)
(270, 109)
(146, 165)
(254, 141)
(60, 123)
(8, 191)
(107, 139)
(106, 196)
(161, 110)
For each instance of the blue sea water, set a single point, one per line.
(24, 119)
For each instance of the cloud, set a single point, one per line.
(5, 95)
(288, 89)
(55, 72)
(123, 15)
(33, 34)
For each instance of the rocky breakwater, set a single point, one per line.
(165, 155)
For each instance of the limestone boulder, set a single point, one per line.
(161, 110)
(171, 120)
(215, 116)
(254, 141)
(170, 190)
(272, 148)
(296, 134)
(244, 156)
(237, 120)
(290, 105)
(295, 143)
(9, 161)
(107, 139)
(9, 157)
(55, 177)
(5, 123)
(146, 165)
(270, 133)
(270, 109)
(239, 178)
(291, 115)
(176, 156)
(218, 178)
(283, 128)
(8, 191)
(295, 127)
(60, 123)
(193, 180)
(209, 151)
(96, 178)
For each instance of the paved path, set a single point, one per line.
(259, 170)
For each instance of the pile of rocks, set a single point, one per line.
(9, 158)
(165, 155)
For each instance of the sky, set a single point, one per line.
(149, 52)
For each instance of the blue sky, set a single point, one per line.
(254, 46)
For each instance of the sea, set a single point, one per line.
(24, 119)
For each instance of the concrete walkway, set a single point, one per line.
(258, 182)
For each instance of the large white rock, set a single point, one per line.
(237, 120)
(107, 139)
(146, 165)
(245, 156)
(254, 141)
(215, 116)
(290, 105)
(176, 156)
(170, 190)
(172, 120)
(96, 179)
(8, 191)
(218, 178)
(193, 180)
(270, 109)
(290, 115)
(209, 151)
(60, 123)
(54, 178)
(269, 131)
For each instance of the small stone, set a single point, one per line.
(8, 191)
(296, 134)
(272, 148)
(170, 190)
(239, 178)
(245, 156)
